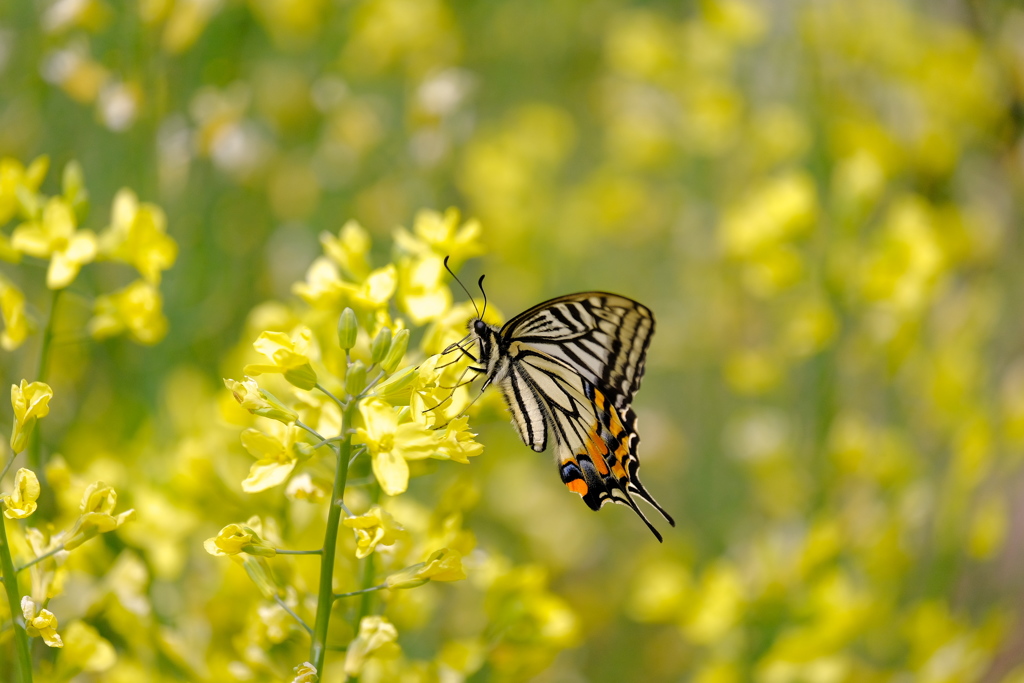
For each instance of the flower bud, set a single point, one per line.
(302, 376)
(260, 401)
(395, 385)
(397, 352)
(381, 345)
(348, 329)
(355, 378)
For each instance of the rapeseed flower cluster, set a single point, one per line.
(58, 519)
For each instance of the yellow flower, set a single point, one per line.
(373, 528)
(442, 565)
(98, 503)
(390, 444)
(441, 235)
(22, 502)
(303, 487)
(240, 538)
(259, 401)
(777, 211)
(305, 673)
(54, 236)
(14, 175)
(350, 249)
(138, 235)
(30, 402)
(136, 309)
(16, 322)
(457, 443)
(288, 356)
(40, 624)
(324, 288)
(275, 458)
(376, 637)
(86, 650)
(7, 250)
(422, 291)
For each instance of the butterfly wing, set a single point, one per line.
(602, 336)
(576, 362)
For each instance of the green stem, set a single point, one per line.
(298, 552)
(334, 398)
(21, 644)
(35, 458)
(325, 595)
(7, 467)
(371, 589)
(44, 352)
(294, 616)
(48, 553)
(368, 569)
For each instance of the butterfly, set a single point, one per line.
(569, 368)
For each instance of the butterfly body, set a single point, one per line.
(569, 368)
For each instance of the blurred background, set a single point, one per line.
(819, 200)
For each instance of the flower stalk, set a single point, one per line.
(325, 594)
(21, 642)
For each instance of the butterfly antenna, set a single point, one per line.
(463, 286)
(480, 284)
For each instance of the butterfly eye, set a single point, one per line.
(479, 326)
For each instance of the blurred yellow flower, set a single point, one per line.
(85, 650)
(374, 527)
(988, 529)
(185, 23)
(240, 538)
(138, 235)
(437, 234)
(260, 401)
(325, 288)
(718, 607)
(659, 591)
(40, 623)
(53, 235)
(752, 372)
(14, 175)
(305, 673)
(98, 503)
(442, 565)
(276, 457)
(908, 261)
(137, 309)
(390, 444)
(22, 502)
(288, 356)
(304, 487)
(350, 249)
(422, 290)
(778, 210)
(17, 325)
(30, 402)
(376, 638)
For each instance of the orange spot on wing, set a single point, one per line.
(596, 449)
(577, 486)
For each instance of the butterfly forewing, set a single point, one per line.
(602, 336)
(571, 366)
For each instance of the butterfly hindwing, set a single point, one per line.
(595, 447)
